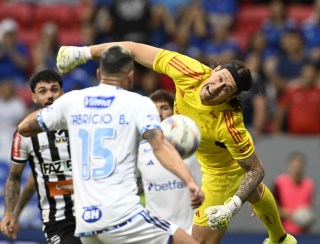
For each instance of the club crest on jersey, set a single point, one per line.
(91, 214)
(60, 141)
(98, 102)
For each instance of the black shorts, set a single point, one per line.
(61, 232)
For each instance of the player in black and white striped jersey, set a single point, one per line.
(49, 158)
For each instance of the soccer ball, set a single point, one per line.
(303, 217)
(183, 133)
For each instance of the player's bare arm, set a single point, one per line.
(70, 57)
(13, 187)
(30, 126)
(253, 176)
(141, 53)
(26, 195)
(9, 225)
(172, 161)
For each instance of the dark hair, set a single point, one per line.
(116, 60)
(47, 75)
(162, 95)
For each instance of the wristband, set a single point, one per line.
(234, 204)
(86, 52)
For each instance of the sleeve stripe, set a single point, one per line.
(41, 122)
(178, 61)
(230, 126)
(184, 69)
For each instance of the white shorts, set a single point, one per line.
(142, 228)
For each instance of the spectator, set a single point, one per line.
(45, 49)
(254, 100)
(220, 12)
(311, 32)
(221, 47)
(258, 45)
(174, 8)
(193, 20)
(292, 191)
(181, 43)
(12, 110)
(148, 82)
(287, 65)
(277, 23)
(14, 56)
(131, 19)
(102, 23)
(299, 106)
(162, 25)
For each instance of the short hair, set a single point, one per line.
(116, 60)
(162, 95)
(46, 75)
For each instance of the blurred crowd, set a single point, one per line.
(281, 49)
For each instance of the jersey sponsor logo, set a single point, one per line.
(91, 214)
(43, 147)
(168, 186)
(62, 167)
(16, 146)
(62, 187)
(245, 148)
(98, 102)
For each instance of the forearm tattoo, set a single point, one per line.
(151, 135)
(12, 189)
(253, 176)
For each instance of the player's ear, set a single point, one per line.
(98, 73)
(34, 98)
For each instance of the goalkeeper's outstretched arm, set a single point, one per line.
(71, 56)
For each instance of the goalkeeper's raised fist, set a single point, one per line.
(219, 216)
(70, 57)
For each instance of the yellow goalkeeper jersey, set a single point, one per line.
(224, 139)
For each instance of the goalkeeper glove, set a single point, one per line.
(70, 57)
(220, 216)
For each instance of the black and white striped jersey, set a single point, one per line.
(49, 158)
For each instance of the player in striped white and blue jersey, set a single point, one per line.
(105, 124)
(49, 158)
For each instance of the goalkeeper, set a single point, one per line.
(232, 171)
